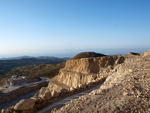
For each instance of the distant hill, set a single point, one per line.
(40, 57)
(132, 53)
(43, 70)
(7, 65)
(87, 55)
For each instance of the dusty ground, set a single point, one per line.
(126, 89)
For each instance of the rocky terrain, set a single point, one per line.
(125, 88)
(19, 86)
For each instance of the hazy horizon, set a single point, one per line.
(106, 51)
(63, 28)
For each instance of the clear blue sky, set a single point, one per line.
(50, 27)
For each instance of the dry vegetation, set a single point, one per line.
(43, 70)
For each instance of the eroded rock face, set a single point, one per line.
(80, 74)
(25, 104)
(83, 71)
(125, 90)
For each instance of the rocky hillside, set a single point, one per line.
(8, 64)
(126, 89)
(126, 85)
(85, 70)
(81, 73)
(43, 70)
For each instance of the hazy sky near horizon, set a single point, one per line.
(40, 27)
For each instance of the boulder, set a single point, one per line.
(54, 94)
(46, 96)
(3, 111)
(63, 91)
(71, 89)
(25, 104)
(37, 99)
(41, 92)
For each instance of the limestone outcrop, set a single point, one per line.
(81, 73)
(85, 70)
(125, 90)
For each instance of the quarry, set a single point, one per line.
(111, 84)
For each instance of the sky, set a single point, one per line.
(64, 28)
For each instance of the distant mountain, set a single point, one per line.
(43, 70)
(133, 53)
(47, 57)
(40, 57)
(87, 55)
(13, 58)
(7, 64)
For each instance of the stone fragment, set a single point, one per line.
(46, 96)
(64, 90)
(3, 111)
(54, 94)
(25, 104)
(71, 89)
(37, 99)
